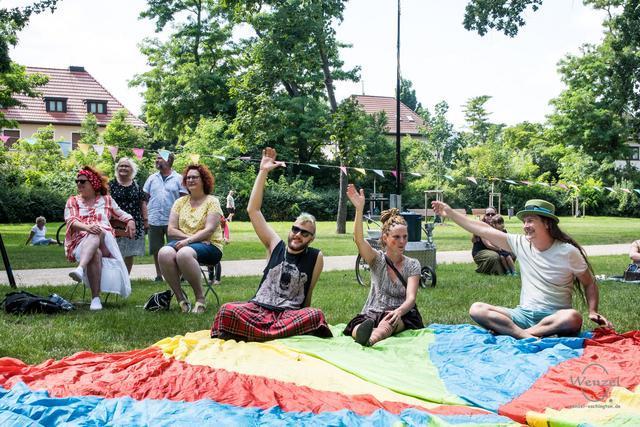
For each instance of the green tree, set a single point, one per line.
(13, 78)
(190, 71)
(350, 133)
(477, 118)
(503, 15)
(408, 95)
(89, 129)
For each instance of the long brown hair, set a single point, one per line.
(557, 234)
(390, 218)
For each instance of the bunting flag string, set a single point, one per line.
(66, 147)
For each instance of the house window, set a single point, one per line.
(13, 134)
(56, 105)
(97, 107)
(634, 153)
(75, 138)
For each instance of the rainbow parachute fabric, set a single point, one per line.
(439, 376)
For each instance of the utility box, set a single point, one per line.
(414, 225)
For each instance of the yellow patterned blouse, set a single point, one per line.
(191, 220)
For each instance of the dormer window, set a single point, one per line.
(56, 105)
(97, 107)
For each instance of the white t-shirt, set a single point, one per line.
(230, 202)
(547, 276)
(39, 235)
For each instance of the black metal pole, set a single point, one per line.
(398, 189)
(7, 265)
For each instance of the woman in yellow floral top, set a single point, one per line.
(194, 227)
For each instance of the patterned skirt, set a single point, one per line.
(246, 321)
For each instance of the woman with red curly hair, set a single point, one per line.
(194, 227)
(391, 305)
(90, 240)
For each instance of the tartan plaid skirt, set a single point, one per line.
(247, 321)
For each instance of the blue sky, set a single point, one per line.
(444, 61)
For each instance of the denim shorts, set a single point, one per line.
(525, 318)
(206, 253)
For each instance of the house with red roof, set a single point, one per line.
(410, 121)
(65, 100)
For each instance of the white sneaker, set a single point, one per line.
(95, 304)
(77, 274)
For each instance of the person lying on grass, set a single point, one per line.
(281, 305)
(391, 305)
(552, 266)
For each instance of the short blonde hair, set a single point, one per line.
(134, 167)
(307, 217)
(41, 219)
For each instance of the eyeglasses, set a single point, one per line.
(304, 233)
(192, 177)
(81, 181)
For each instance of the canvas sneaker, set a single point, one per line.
(77, 274)
(95, 304)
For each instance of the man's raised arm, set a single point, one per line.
(267, 236)
(479, 228)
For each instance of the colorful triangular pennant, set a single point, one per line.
(113, 150)
(65, 146)
(99, 149)
(139, 152)
(84, 148)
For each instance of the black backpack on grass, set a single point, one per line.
(25, 303)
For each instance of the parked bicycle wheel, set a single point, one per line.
(60, 234)
(363, 274)
(427, 277)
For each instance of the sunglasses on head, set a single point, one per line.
(295, 230)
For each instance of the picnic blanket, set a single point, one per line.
(441, 375)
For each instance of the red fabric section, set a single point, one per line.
(147, 374)
(608, 358)
(250, 322)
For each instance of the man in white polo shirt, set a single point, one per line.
(162, 188)
(552, 265)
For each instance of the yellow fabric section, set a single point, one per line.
(275, 361)
(621, 408)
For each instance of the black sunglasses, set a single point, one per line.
(489, 214)
(305, 233)
(81, 181)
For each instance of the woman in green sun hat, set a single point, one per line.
(552, 266)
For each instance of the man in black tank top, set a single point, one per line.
(281, 305)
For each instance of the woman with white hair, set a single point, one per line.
(131, 199)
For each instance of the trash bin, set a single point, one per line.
(413, 225)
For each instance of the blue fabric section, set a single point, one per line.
(489, 371)
(22, 407)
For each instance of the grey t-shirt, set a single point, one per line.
(547, 276)
(384, 294)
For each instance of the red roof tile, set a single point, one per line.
(77, 87)
(409, 120)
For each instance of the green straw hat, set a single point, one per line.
(538, 207)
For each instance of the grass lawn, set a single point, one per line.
(124, 325)
(245, 245)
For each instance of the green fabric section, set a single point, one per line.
(400, 363)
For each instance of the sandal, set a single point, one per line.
(185, 306)
(199, 308)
